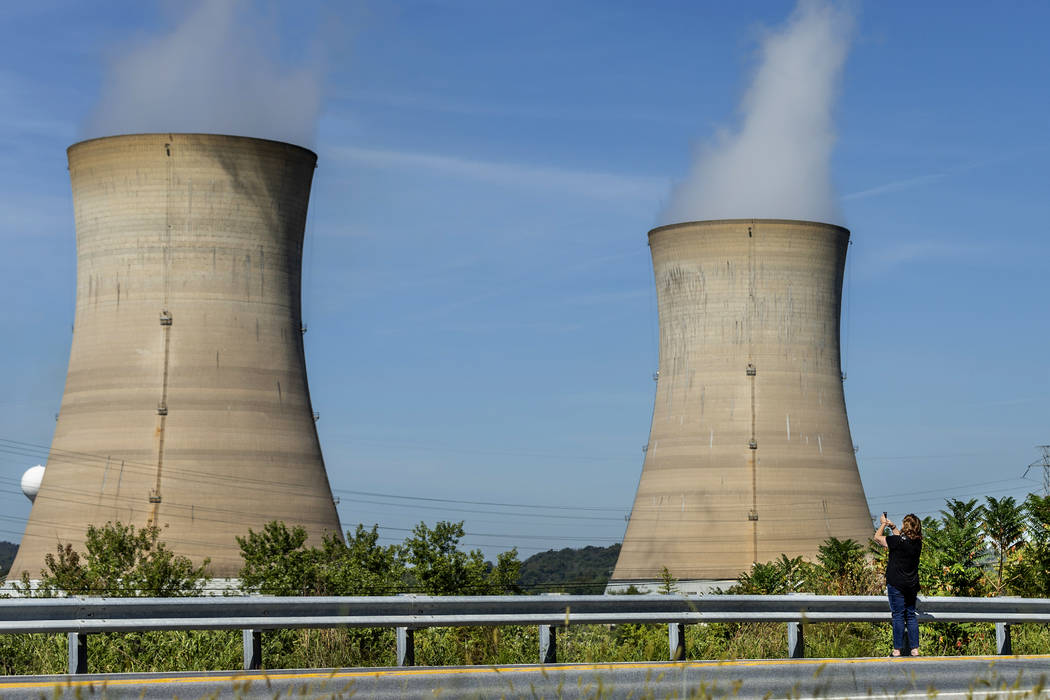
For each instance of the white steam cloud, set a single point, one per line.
(214, 73)
(777, 163)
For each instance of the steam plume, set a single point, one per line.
(213, 73)
(776, 163)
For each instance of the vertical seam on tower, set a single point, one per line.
(163, 417)
(753, 452)
(166, 321)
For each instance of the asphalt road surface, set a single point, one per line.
(952, 677)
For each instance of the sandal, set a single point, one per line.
(915, 652)
(895, 653)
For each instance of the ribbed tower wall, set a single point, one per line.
(186, 402)
(750, 454)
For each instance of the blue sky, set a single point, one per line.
(478, 291)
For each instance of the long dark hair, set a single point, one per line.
(912, 527)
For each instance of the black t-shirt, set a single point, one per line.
(902, 571)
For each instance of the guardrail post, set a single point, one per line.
(406, 646)
(1002, 639)
(77, 642)
(676, 640)
(548, 644)
(252, 642)
(796, 641)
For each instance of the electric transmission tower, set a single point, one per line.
(1044, 464)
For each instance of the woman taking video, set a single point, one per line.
(902, 578)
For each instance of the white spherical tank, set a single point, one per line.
(31, 481)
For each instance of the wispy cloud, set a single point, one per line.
(898, 185)
(875, 261)
(441, 104)
(594, 185)
(908, 183)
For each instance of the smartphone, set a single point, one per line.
(884, 514)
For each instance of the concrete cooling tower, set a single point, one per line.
(186, 403)
(749, 454)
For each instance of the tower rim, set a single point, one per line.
(172, 134)
(722, 222)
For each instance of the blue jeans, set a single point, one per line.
(902, 608)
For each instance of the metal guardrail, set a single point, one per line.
(78, 617)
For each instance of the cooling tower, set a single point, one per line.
(186, 403)
(749, 455)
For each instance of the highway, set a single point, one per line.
(951, 677)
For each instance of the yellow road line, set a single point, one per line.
(491, 669)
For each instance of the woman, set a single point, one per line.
(902, 578)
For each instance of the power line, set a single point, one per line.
(37, 451)
(940, 456)
(199, 476)
(188, 512)
(229, 516)
(482, 512)
(100, 462)
(942, 490)
(510, 509)
(479, 503)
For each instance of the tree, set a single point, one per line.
(1003, 523)
(844, 570)
(778, 577)
(668, 583)
(7, 557)
(278, 562)
(120, 561)
(958, 549)
(504, 576)
(1037, 509)
(361, 566)
(1033, 565)
(930, 570)
(439, 567)
(838, 556)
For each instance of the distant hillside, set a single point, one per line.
(576, 571)
(7, 556)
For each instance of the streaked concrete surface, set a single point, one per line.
(186, 401)
(957, 677)
(750, 454)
